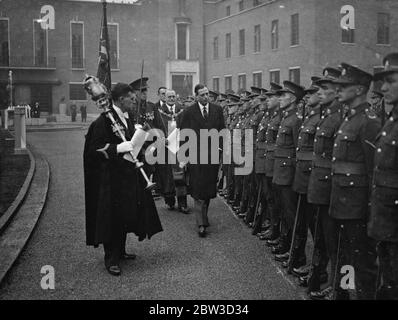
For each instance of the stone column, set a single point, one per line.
(20, 130)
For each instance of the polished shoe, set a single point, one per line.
(302, 271)
(184, 210)
(129, 256)
(202, 232)
(264, 235)
(324, 294)
(304, 280)
(279, 249)
(114, 270)
(272, 243)
(282, 257)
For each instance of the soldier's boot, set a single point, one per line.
(272, 234)
(282, 246)
(298, 258)
(249, 219)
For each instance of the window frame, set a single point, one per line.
(228, 46)
(254, 73)
(242, 52)
(271, 71)
(34, 42)
(218, 82)
(258, 38)
(117, 45)
(187, 49)
(245, 82)
(292, 30)
(388, 43)
(292, 69)
(353, 36)
(70, 45)
(275, 36)
(76, 83)
(216, 53)
(227, 76)
(8, 39)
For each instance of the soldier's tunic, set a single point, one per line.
(284, 169)
(383, 222)
(234, 118)
(238, 179)
(273, 201)
(304, 153)
(320, 182)
(352, 166)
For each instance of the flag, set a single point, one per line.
(104, 67)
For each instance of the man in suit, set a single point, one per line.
(117, 202)
(203, 177)
(171, 177)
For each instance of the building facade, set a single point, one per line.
(48, 65)
(227, 44)
(253, 42)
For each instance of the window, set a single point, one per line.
(242, 42)
(228, 45)
(216, 84)
(77, 42)
(182, 33)
(228, 83)
(274, 76)
(215, 48)
(274, 34)
(383, 28)
(257, 79)
(242, 82)
(40, 42)
(347, 36)
(256, 3)
(294, 29)
(294, 75)
(182, 84)
(4, 43)
(113, 32)
(257, 38)
(241, 5)
(77, 92)
(228, 10)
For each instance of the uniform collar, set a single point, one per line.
(314, 111)
(361, 108)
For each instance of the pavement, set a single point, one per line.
(175, 264)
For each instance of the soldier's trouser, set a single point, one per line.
(245, 192)
(359, 251)
(261, 182)
(251, 197)
(230, 182)
(289, 199)
(238, 190)
(273, 203)
(388, 269)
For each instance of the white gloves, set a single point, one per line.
(124, 147)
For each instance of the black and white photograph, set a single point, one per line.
(199, 156)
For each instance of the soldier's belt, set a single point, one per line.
(349, 168)
(304, 155)
(322, 163)
(270, 148)
(285, 153)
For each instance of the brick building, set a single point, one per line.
(252, 42)
(224, 43)
(50, 64)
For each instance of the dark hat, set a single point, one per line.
(256, 90)
(329, 75)
(229, 91)
(223, 97)
(233, 99)
(274, 89)
(351, 75)
(213, 94)
(313, 87)
(120, 89)
(390, 64)
(135, 85)
(295, 89)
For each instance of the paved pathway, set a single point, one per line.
(175, 264)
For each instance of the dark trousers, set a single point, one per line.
(201, 208)
(114, 249)
(230, 181)
(289, 200)
(238, 190)
(273, 203)
(359, 251)
(387, 288)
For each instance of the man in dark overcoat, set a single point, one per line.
(117, 202)
(203, 177)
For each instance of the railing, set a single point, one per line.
(30, 62)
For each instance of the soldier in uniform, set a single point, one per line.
(305, 211)
(234, 117)
(273, 199)
(320, 184)
(285, 163)
(352, 168)
(383, 222)
(142, 107)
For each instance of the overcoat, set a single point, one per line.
(116, 199)
(203, 177)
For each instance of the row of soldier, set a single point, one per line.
(325, 161)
